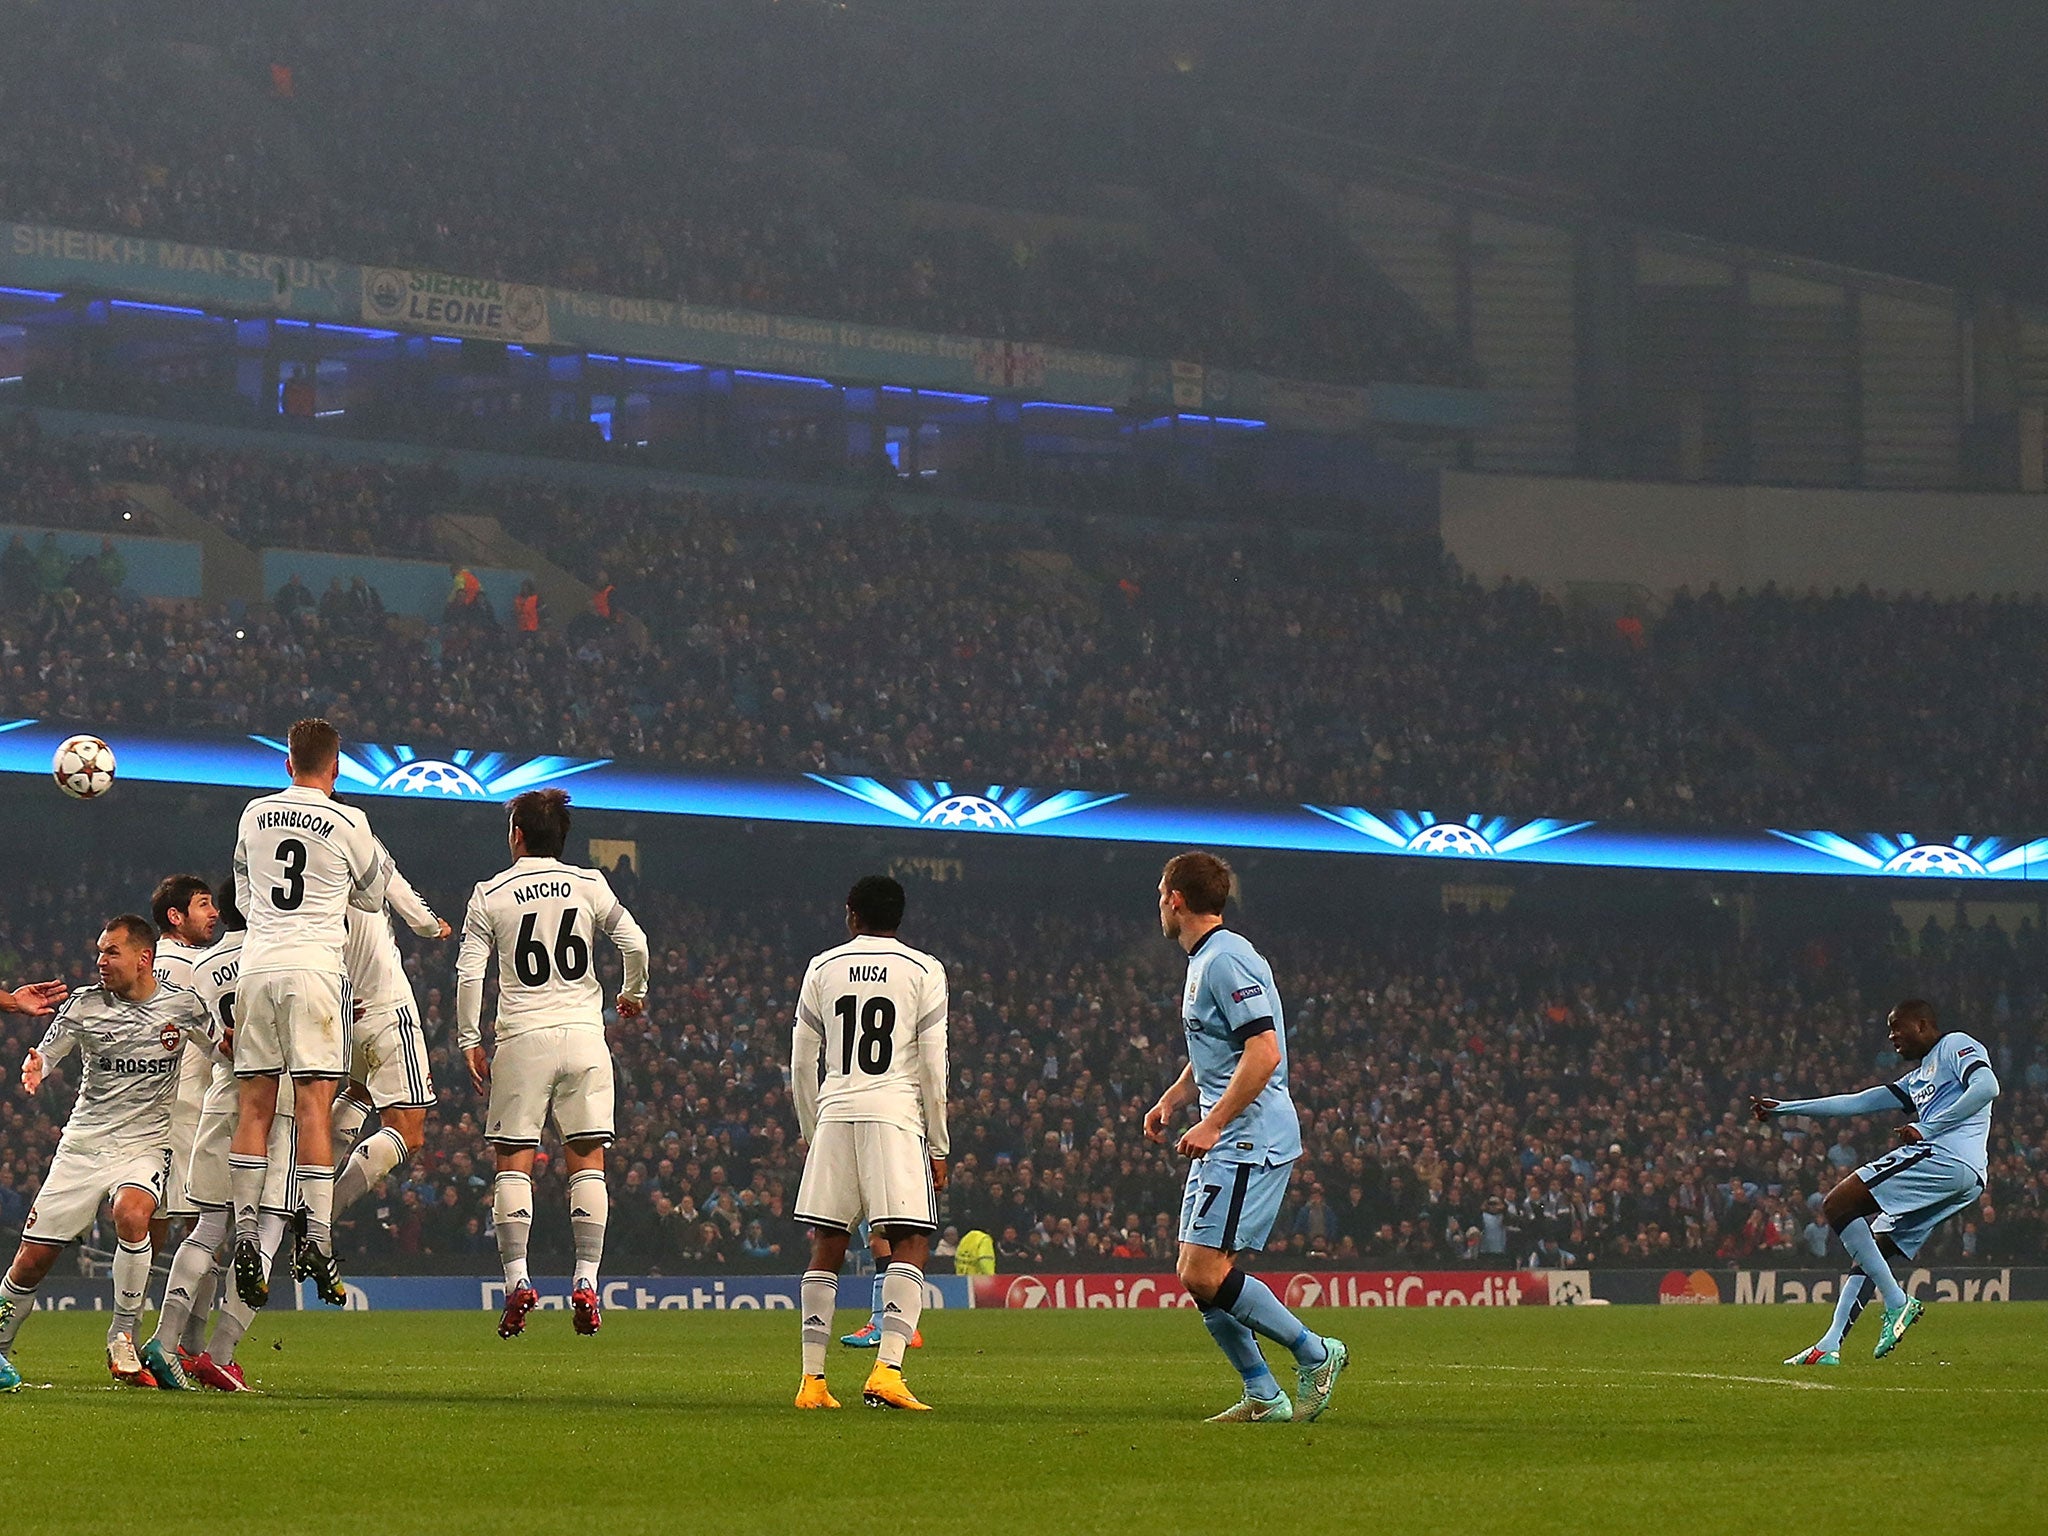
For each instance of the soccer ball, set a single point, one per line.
(84, 767)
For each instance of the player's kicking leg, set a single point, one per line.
(1850, 1208)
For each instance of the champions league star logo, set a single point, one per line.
(463, 775)
(1972, 858)
(1476, 837)
(995, 809)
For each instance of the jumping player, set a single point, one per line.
(1243, 1148)
(541, 918)
(1901, 1197)
(301, 860)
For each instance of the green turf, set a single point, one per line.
(1585, 1421)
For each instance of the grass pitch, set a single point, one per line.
(1585, 1421)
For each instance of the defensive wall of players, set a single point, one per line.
(1110, 1291)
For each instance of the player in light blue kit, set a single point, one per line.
(1243, 1148)
(1894, 1202)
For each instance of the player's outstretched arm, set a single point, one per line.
(35, 998)
(411, 907)
(1871, 1101)
(1255, 1068)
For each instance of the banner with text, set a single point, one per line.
(175, 272)
(1329, 1288)
(442, 304)
(675, 1293)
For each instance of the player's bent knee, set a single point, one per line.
(32, 1262)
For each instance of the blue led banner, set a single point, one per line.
(1009, 810)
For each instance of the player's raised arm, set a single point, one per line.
(806, 1057)
(1871, 1101)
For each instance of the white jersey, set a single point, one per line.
(376, 970)
(176, 961)
(870, 1039)
(130, 1054)
(213, 982)
(541, 918)
(301, 860)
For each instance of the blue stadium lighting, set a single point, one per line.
(602, 357)
(667, 367)
(935, 394)
(297, 325)
(1012, 810)
(161, 309)
(1248, 423)
(446, 341)
(784, 378)
(357, 330)
(32, 293)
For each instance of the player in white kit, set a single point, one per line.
(387, 1059)
(540, 918)
(129, 1031)
(186, 922)
(189, 1289)
(301, 860)
(868, 1072)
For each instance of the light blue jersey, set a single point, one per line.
(1935, 1084)
(1230, 998)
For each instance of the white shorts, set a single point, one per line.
(290, 1022)
(209, 1185)
(388, 1056)
(80, 1178)
(561, 1073)
(866, 1168)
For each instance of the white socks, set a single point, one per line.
(820, 1296)
(367, 1167)
(902, 1301)
(316, 1194)
(348, 1118)
(245, 1188)
(512, 1215)
(185, 1288)
(589, 1208)
(24, 1303)
(131, 1285)
(235, 1318)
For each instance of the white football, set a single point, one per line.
(84, 767)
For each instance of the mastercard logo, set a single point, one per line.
(1687, 1289)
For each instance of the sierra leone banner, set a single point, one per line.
(480, 307)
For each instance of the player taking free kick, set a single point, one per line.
(1900, 1198)
(867, 1068)
(1242, 1149)
(541, 918)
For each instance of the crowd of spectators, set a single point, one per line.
(1491, 1090)
(617, 173)
(777, 636)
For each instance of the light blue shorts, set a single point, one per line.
(1917, 1188)
(1232, 1206)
